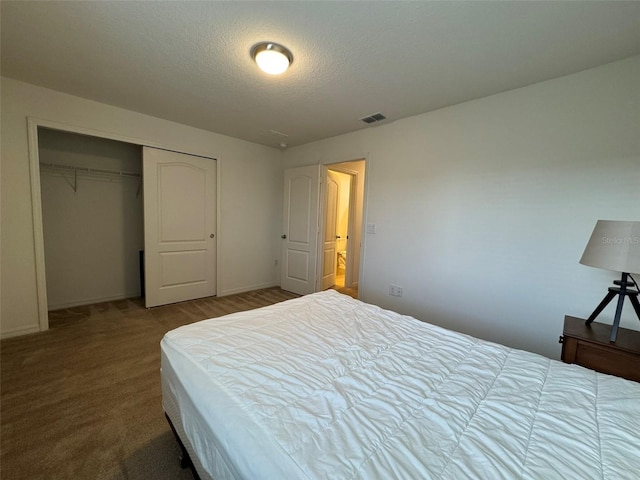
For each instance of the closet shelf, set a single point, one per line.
(88, 172)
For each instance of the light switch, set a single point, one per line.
(371, 228)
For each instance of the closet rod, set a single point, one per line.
(90, 170)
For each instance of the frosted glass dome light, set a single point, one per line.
(272, 58)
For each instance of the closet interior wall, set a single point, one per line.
(92, 213)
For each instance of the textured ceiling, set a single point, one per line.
(189, 61)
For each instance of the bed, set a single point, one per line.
(328, 387)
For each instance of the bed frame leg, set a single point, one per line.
(185, 459)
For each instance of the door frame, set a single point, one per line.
(321, 218)
(33, 123)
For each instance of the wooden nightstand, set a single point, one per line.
(590, 347)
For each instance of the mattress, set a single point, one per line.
(328, 387)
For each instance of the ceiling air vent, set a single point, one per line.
(376, 117)
(273, 134)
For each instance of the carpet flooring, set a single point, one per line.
(83, 399)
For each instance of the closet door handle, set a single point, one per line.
(211, 236)
(283, 236)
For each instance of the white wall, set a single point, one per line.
(93, 235)
(250, 193)
(483, 209)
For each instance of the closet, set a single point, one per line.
(92, 218)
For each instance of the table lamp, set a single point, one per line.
(615, 245)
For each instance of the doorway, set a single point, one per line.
(309, 254)
(342, 228)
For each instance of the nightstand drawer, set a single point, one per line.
(589, 346)
(606, 360)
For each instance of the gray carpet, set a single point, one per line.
(83, 400)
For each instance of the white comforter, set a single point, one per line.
(327, 387)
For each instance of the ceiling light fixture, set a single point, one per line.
(272, 58)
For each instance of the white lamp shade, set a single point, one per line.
(614, 245)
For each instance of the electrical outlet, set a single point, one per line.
(395, 291)
(275, 262)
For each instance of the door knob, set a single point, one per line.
(338, 237)
(283, 236)
(211, 236)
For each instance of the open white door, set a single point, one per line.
(179, 226)
(329, 258)
(300, 236)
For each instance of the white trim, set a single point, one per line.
(20, 331)
(88, 131)
(218, 228)
(65, 127)
(322, 207)
(363, 238)
(38, 232)
(91, 301)
(250, 288)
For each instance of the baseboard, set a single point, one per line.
(91, 301)
(20, 331)
(233, 291)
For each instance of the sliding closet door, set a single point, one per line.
(179, 226)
